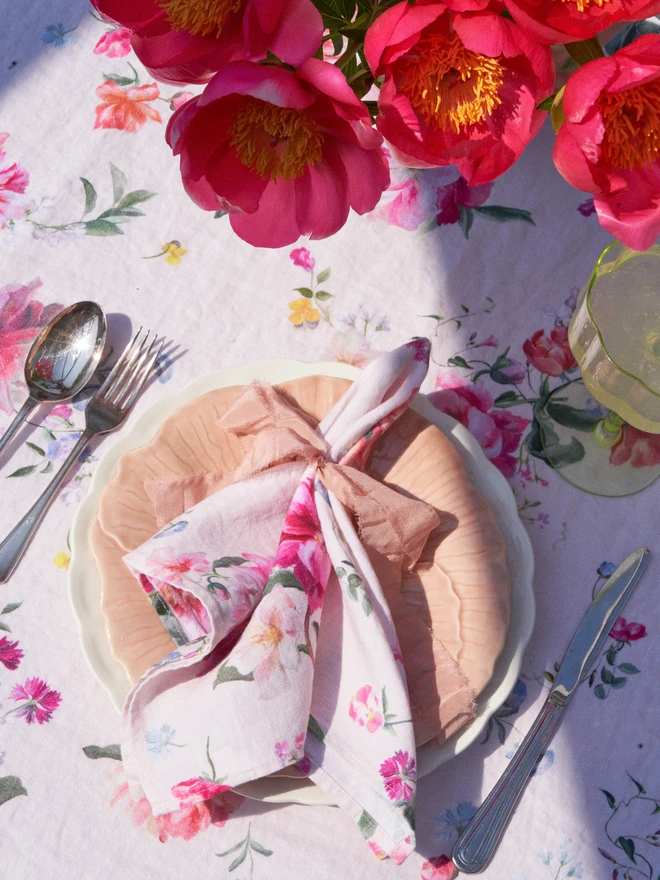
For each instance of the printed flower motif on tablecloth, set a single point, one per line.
(57, 35)
(14, 181)
(452, 823)
(633, 833)
(37, 701)
(308, 309)
(372, 713)
(11, 653)
(286, 753)
(115, 43)
(161, 742)
(438, 868)
(399, 775)
(166, 566)
(126, 109)
(172, 251)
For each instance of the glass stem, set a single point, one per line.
(608, 431)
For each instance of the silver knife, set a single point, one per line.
(477, 844)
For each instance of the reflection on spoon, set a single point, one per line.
(61, 360)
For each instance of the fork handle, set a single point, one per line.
(14, 545)
(19, 418)
(476, 846)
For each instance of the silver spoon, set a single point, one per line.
(62, 359)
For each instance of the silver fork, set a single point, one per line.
(105, 412)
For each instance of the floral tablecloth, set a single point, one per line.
(91, 206)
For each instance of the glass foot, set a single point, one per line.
(593, 448)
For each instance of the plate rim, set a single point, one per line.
(86, 605)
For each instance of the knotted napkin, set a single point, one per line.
(288, 653)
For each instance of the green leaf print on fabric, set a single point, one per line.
(10, 787)
(95, 752)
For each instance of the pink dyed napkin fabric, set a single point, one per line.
(288, 651)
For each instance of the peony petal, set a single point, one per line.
(330, 80)
(571, 162)
(398, 24)
(232, 180)
(274, 224)
(585, 85)
(272, 84)
(299, 33)
(368, 175)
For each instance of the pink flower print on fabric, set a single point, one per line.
(40, 700)
(282, 749)
(302, 257)
(399, 777)
(269, 648)
(115, 43)
(10, 653)
(166, 566)
(365, 709)
(300, 740)
(14, 181)
(190, 791)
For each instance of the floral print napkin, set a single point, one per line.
(278, 664)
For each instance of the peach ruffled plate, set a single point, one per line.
(475, 567)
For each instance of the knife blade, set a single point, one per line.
(477, 844)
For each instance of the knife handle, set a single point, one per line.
(476, 846)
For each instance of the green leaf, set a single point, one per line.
(546, 104)
(285, 577)
(120, 215)
(619, 682)
(230, 673)
(465, 220)
(506, 399)
(314, 727)
(90, 195)
(35, 448)
(352, 592)
(606, 675)
(506, 711)
(466, 310)
(95, 752)
(367, 824)
(233, 849)
(239, 859)
(628, 668)
(570, 417)
(611, 800)
(323, 295)
(323, 276)
(118, 183)
(257, 847)
(4, 627)
(102, 227)
(227, 561)
(548, 676)
(657, 810)
(384, 699)
(133, 198)
(120, 80)
(341, 572)
(220, 214)
(501, 731)
(315, 624)
(628, 846)
(500, 214)
(11, 607)
(599, 691)
(611, 656)
(355, 580)
(304, 650)
(47, 469)
(435, 317)
(458, 361)
(562, 456)
(307, 292)
(23, 471)
(367, 607)
(10, 787)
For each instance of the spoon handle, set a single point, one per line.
(14, 545)
(19, 418)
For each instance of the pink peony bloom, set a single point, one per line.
(450, 199)
(461, 88)
(365, 709)
(439, 868)
(269, 646)
(21, 319)
(10, 653)
(14, 180)
(637, 448)
(186, 42)
(302, 257)
(190, 791)
(399, 777)
(552, 354)
(40, 703)
(285, 153)
(115, 43)
(165, 565)
(609, 145)
(499, 432)
(627, 632)
(125, 109)
(555, 21)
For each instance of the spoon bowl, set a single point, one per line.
(62, 359)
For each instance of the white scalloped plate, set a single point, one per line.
(85, 588)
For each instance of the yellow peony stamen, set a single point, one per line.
(206, 18)
(277, 142)
(448, 85)
(581, 5)
(632, 126)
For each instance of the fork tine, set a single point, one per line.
(127, 371)
(105, 387)
(128, 405)
(136, 374)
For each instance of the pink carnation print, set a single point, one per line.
(439, 868)
(302, 257)
(190, 791)
(14, 180)
(40, 700)
(115, 43)
(399, 777)
(365, 709)
(10, 653)
(624, 631)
